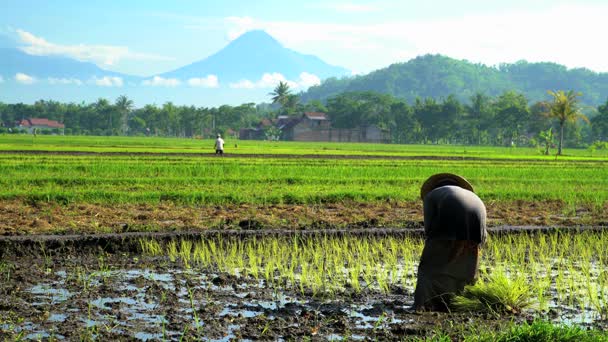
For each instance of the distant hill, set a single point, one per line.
(13, 61)
(439, 76)
(253, 54)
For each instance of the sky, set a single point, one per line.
(148, 37)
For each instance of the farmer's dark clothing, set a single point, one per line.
(455, 226)
(453, 213)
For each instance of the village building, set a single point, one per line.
(314, 126)
(36, 124)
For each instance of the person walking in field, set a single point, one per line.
(455, 229)
(219, 145)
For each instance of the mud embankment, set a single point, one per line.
(130, 242)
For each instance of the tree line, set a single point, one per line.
(507, 119)
(103, 117)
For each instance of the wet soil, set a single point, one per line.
(22, 218)
(100, 286)
(126, 296)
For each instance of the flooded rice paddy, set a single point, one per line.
(279, 288)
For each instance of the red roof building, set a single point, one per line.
(34, 124)
(40, 123)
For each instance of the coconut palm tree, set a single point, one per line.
(124, 106)
(565, 108)
(281, 94)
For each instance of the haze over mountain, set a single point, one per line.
(252, 55)
(243, 71)
(14, 61)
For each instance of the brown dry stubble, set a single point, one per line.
(18, 218)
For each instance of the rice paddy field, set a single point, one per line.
(114, 238)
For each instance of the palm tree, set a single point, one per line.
(124, 106)
(281, 94)
(565, 109)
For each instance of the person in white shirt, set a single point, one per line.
(219, 145)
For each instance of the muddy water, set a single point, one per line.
(72, 295)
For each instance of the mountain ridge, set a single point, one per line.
(440, 76)
(257, 53)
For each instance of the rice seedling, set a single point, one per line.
(150, 247)
(518, 272)
(537, 331)
(495, 293)
(172, 252)
(6, 269)
(185, 252)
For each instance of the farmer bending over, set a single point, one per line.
(455, 228)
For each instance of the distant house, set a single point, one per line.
(255, 133)
(38, 124)
(315, 126)
(311, 126)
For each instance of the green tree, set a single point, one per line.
(512, 115)
(479, 117)
(124, 107)
(281, 94)
(565, 108)
(599, 123)
(546, 139)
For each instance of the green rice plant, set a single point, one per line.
(497, 294)
(153, 179)
(354, 273)
(172, 251)
(185, 252)
(538, 331)
(150, 247)
(197, 323)
(6, 269)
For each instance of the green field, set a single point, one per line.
(175, 145)
(196, 179)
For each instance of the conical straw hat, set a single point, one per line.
(435, 180)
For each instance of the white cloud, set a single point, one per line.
(243, 84)
(351, 8)
(308, 80)
(158, 81)
(270, 80)
(24, 79)
(210, 81)
(65, 81)
(1, 79)
(99, 54)
(107, 81)
(490, 38)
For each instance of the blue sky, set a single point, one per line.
(149, 37)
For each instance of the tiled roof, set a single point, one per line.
(41, 122)
(315, 116)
